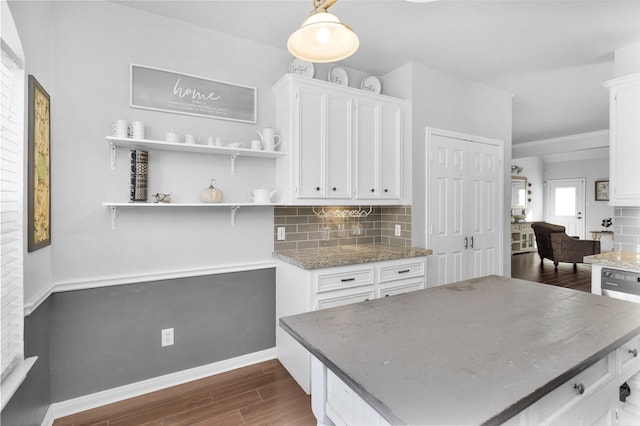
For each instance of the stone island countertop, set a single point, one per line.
(473, 352)
(616, 259)
(327, 257)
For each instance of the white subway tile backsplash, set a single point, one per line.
(626, 227)
(630, 211)
(627, 220)
(630, 230)
(627, 239)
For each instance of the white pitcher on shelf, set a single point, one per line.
(261, 195)
(269, 138)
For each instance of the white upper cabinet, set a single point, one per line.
(379, 150)
(345, 145)
(324, 160)
(624, 141)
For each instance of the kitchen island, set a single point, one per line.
(483, 351)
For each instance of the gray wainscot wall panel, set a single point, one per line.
(108, 337)
(30, 403)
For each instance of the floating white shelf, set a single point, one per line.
(234, 207)
(115, 143)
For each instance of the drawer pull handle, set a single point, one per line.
(345, 280)
(404, 271)
(579, 387)
(633, 352)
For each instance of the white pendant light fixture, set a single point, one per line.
(322, 37)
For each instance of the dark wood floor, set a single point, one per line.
(527, 266)
(265, 394)
(260, 394)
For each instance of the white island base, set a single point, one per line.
(511, 352)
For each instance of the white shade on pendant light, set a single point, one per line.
(322, 37)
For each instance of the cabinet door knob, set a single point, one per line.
(386, 190)
(334, 188)
(633, 352)
(317, 188)
(373, 190)
(579, 387)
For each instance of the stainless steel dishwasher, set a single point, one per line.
(620, 284)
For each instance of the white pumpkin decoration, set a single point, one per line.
(211, 194)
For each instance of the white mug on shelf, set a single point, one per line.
(120, 128)
(136, 130)
(189, 138)
(256, 144)
(173, 137)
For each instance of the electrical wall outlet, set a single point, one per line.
(167, 337)
(398, 230)
(281, 233)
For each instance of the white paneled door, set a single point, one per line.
(464, 206)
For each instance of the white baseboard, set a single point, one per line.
(48, 417)
(98, 399)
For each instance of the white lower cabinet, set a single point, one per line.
(346, 408)
(302, 290)
(593, 396)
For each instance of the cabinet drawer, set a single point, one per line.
(629, 356)
(566, 395)
(344, 279)
(344, 299)
(400, 272)
(401, 287)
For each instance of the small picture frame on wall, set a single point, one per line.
(602, 190)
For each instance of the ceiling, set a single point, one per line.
(552, 56)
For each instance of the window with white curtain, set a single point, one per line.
(12, 96)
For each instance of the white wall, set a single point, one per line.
(627, 60)
(445, 101)
(93, 44)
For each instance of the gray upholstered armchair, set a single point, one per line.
(554, 244)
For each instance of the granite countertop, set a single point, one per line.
(327, 257)
(616, 259)
(490, 347)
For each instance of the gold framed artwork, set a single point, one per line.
(39, 167)
(602, 190)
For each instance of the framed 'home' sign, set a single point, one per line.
(169, 91)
